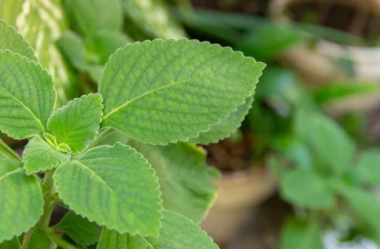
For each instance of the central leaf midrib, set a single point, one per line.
(143, 95)
(97, 176)
(10, 173)
(27, 108)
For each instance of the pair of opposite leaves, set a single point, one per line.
(156, 92)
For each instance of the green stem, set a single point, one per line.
(48, 191)
(61, 242)
(102, 134)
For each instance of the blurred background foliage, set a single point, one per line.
(314, 122)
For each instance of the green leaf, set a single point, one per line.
(325, 136)
(185, 178)
(107, 42)
(27, 96)
(155, 91)
(77, 122)
(177, 231)
(90, 16)
(39, 239)
(40, 156)
(21, 203)
(226, 127)
(7, 153)
(368, 168)
(64, 148)
(334, 91)
(74, 49)
(113, 186)
(50, 139)
(153, 17)
(366, 205)
(79, 229)
(10, 39)
(301, 234)
(11, 244)
(42, 31)
(304, 187)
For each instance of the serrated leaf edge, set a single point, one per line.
(29, 173)
(243, 101)
(45, 71)
(61, 109)
(114, 227)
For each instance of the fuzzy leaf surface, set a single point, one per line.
(40, 156)
(39, 239)
(167, 91)
(10, 39)
(185, 178)
(27, 96)
(226, 126)
(113, 186)
(76, 123)
(21, 203)
(79, 229)
(177, 231)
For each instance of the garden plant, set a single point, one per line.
(166, 96)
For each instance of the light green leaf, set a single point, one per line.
(27, 96)
(301, 234)
(50, 139)
(325, 136)
(39, 239)
(11, 244)
(77, 122)
(168, 91)
(40, 156)
(368, 168)
(20, 198)
(79, 229)
(184, 177)
(7, 153)
(177, 231)
(64, 148)
(366, 205)
(90, 16)
(113, 186)
(226, 126)
(153, 17)
(107, 42)
(10, 39)
(74, 49)
(41, 24)
(304, 187)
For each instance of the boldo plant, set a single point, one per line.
(150, 193)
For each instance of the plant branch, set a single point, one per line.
(48, 191)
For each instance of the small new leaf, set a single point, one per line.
(11, 40)
(50, 139)
(64, 148)
(27, 96)
(79, 229)
(177, 231)
(15, 185)
(76, 123)
(41, 156)
(167, 91)
(113, 186)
